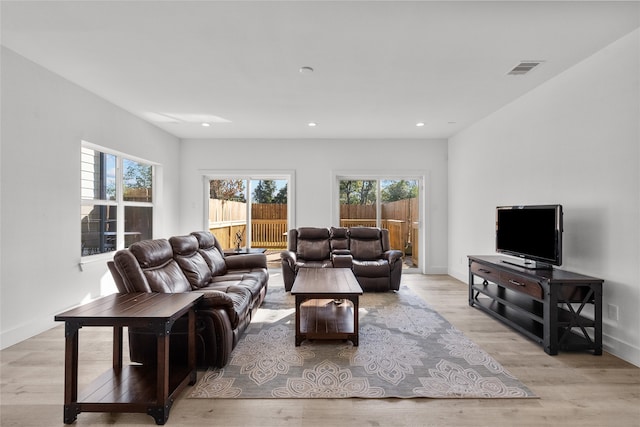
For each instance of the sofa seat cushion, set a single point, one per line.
(252, 282)
(373, 268)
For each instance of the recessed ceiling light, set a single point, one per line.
(306, 70)
(206, 125)
(420, 124)
(312, 124)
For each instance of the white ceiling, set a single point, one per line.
(380, 66)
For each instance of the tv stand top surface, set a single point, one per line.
(549, 274)
(529, 265)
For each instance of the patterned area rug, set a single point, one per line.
(406, 350)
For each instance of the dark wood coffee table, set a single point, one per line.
(132, 388)
(322, 311)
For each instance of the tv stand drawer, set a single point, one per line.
(486, 272)
(521, 284)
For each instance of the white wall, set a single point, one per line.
(44, 118)
(574, 141)
(315, 163)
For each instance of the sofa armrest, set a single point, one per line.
(213, 299)
(290, 258)
(393, 256)
(246, 261)
(340, 260)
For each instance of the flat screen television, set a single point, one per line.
(533, 233)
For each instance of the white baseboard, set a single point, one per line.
(623, 350)
(25, 331)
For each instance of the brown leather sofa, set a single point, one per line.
(233, 287)
(366, 250)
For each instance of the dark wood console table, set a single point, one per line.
(132, 388)
(548, 306)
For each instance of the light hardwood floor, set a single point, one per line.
(574, 389)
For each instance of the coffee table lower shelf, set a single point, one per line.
(328, 320)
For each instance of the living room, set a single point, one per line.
(571, 139)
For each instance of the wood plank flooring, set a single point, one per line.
(575, 389)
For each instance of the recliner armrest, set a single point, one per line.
(290, 257)
(218, 299)
(393, 256)
(342, 260)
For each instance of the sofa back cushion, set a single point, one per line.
(313, 244)
(365, 243)
(161, 271)
(192, 263)
(339, 238)
(210, 250)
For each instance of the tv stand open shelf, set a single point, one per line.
(548, 306)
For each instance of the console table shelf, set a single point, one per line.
(547, 306)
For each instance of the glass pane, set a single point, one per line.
(98, 225)
(137, 181)
(358, 203)
(138, 224)
(269, 214)
(399, 210)
(228, 211)
(98, 175)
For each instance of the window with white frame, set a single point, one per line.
(117, 200)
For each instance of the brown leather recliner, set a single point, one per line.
(365, 250)
(376, 266)
(308, 247)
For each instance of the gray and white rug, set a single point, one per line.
(406, 350)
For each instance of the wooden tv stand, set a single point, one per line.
(545, 305)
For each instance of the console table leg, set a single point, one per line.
(71, 408)
(161, 411)
(70, 413)
(160, 414)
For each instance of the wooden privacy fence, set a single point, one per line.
(226, 233)
(361, 222)
(269, 233)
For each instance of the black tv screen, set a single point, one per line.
(530, 232)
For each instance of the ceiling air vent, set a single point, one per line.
(524, 67)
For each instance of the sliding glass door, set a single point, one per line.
(389, 203)
(248, 212)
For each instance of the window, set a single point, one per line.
(116, 200)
